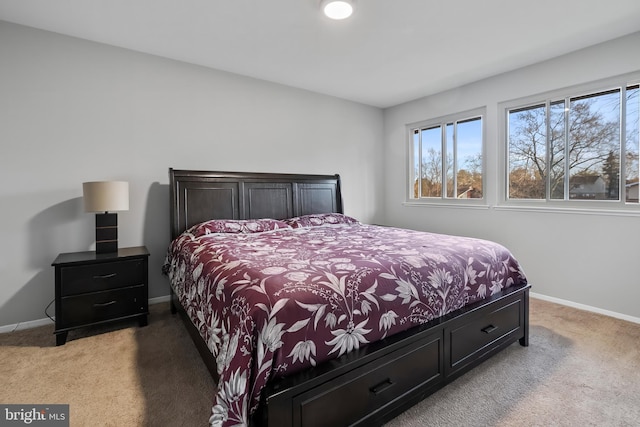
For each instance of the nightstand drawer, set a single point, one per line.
(100, 306)
(80, 279)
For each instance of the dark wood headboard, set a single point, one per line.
(198, 196)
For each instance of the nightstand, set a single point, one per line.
(98, 288)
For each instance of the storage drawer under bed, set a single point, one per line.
(477, 334)
(372, 392)
(368, 389)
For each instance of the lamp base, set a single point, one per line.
(106, 233)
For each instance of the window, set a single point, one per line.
(570, 149)
(447, 158)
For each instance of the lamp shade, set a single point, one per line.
(105, 196)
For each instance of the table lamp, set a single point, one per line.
(103, 198)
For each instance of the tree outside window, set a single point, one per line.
(447, 159)
(570, 149)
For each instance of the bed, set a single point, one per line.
(306, 317)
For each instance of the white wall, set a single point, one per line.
(587, 259)
(74, 111)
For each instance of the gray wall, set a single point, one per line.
(74, 111)
(587, 259)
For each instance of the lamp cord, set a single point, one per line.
(45, 312)
(47, 308)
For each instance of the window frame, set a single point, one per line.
(443, 122)
(548, 98)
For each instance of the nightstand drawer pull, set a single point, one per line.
(104, 304)
(106, 276)
(489, 329)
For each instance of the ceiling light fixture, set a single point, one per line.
(337, 9)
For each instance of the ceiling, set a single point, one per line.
(387, 53)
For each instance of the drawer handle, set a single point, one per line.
(106, 276)
(379, 388)
(489, 329)
(104, 304)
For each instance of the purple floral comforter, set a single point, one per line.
(270, 300)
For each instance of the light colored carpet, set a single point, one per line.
(581, 369)
(151, 376)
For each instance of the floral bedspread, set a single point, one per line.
(271, 300)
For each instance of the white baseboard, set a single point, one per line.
(25, 325)
(157, 300)
(586, 307)
(46, 321)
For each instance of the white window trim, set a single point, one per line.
(601, 207)
(441, 201)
